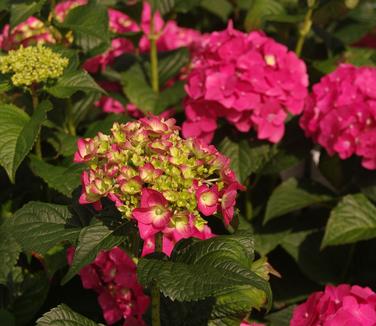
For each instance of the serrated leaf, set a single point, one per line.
(202, 269)
(40, 226)
(138, 90)
(72, 82)
(19, 12)
(90, 27)
(292, 195)
(9, 252)
(259, 11)
(91, 240)
(34, 290)
(63, 179)
(245, 158)
(18, 133)
(352, 220)
(62, 315)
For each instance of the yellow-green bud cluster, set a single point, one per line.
(32, 65)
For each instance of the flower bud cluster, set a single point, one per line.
(341, 113)
(112, 275)
(155, 177)
(34, 64)
(249, 79)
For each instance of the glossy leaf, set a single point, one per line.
(352, 220)
(39, 226)
(292, 195)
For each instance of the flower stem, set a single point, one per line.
(306, 27)
(153, 57)
(155, 293)
(35, 102)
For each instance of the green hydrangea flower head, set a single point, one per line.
(32, 65)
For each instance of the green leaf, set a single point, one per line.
(138, 90)
(214, 267)
(163, 6)
(83, 107)
(220, 8)
(63, 143)
(281, 317)
(19, 12)
(292, 195)
(40, 226)
(72, 82)
(63, 179)
(170, 97)
(90, 27)
(259, 12)
(186, 5)
(245, 158)
(62, 315)
(352, 220)
(34, 290)
(104, 125)
(91, 240)
(361, 56)
(9, 252)
(170, 64)
(18, 133)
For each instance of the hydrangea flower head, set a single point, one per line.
(34, 64)
(249, 79)
(341, 305)
(340, 114)
(165, 183)
(112, 275)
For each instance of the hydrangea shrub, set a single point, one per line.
(187, 163)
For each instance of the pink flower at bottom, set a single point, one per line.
(343, 305)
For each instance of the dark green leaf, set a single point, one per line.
(352, 220)
(72, 82)
(292, 195)
(40, 226)
(259, 11)
(138, 90)
(34, 290)
(214, 267)
(245, 158)
(281, 317)
(104, 125)
(19, 12)
(90, 27)
(163, 6)
(186, 5)
(63, 143)
(83, 107)
(170, 97)
(220, 8)
(62, 179)
(91, 240)
(169, 65)
(9, 252)
(18, 133)
(62, 315)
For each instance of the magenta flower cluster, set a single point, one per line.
(112, 275)
(249, 79)
(165, 183)
(337, 306)
(341, 113)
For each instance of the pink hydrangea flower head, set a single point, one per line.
(340, 114)
(342, 305)
(62, 8)
(249, 79)
(30, 32)
(112, 275)
(166, 184)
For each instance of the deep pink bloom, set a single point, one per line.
(112, 275)
(343, 305)
(340, 114)
(249, 79)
